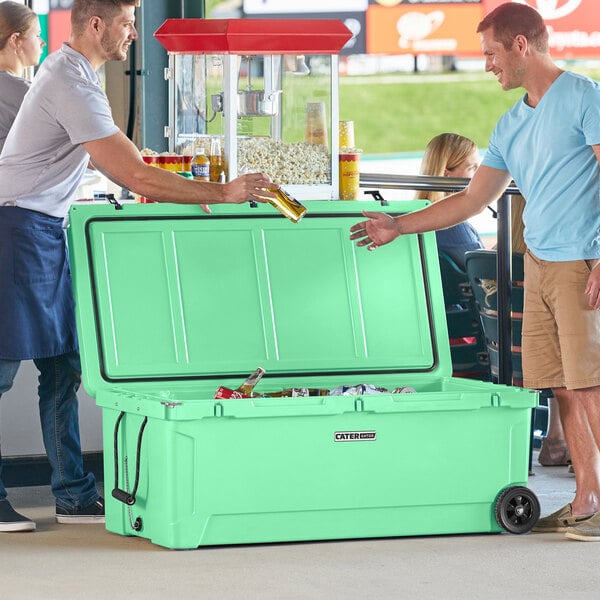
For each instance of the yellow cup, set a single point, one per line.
(349, 175)
(316, 124)
(346, 134)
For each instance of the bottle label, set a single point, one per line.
(201, 171)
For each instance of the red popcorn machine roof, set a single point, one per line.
(253, 36)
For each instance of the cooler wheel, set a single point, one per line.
(517, 509)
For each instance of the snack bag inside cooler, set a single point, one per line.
(173, 303)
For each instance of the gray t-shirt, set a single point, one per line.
(43, 159)
(12, 90)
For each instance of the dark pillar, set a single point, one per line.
(155, 115)
(504, 283)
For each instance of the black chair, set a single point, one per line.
(481, 272)
(467, 340)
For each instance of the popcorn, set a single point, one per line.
(286, 163)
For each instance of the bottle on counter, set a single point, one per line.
(216, 167)
(200, 166)
(243, 391)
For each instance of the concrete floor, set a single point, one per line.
(85, 561)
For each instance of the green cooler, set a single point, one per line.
(173, 303)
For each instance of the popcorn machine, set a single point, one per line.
(266, 88)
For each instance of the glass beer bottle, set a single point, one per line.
(250, 383)
(243, 391)
(298, 393)
(287, 205)
(215, 160)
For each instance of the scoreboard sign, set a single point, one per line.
(432, 28)
(269, 7)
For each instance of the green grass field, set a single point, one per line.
(401, 113)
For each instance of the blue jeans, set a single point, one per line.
(59, 380)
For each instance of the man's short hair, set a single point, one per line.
(512, 19)
(83, 10)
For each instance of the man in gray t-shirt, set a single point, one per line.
(64, 121)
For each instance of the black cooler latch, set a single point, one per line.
(377, 196)
(117, 493)
(110, 197)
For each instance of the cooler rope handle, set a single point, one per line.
(117, 493)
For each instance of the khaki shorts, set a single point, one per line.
(561, 333)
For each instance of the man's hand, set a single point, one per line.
(380, 229)
(593, 287)
(253, 186)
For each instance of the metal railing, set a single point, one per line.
(503, 249)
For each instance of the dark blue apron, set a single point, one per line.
(37, 318)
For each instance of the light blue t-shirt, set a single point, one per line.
(43, 159)
(547, 150)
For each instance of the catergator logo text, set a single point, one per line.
(355, 436)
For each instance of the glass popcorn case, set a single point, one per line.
(262, 92)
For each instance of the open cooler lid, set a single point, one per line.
(166, 292)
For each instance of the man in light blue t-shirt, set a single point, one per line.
(549, 142)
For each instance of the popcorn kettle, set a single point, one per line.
(256, 103)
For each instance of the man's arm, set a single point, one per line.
(486, 186)
(593, 285)
(119, 159)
